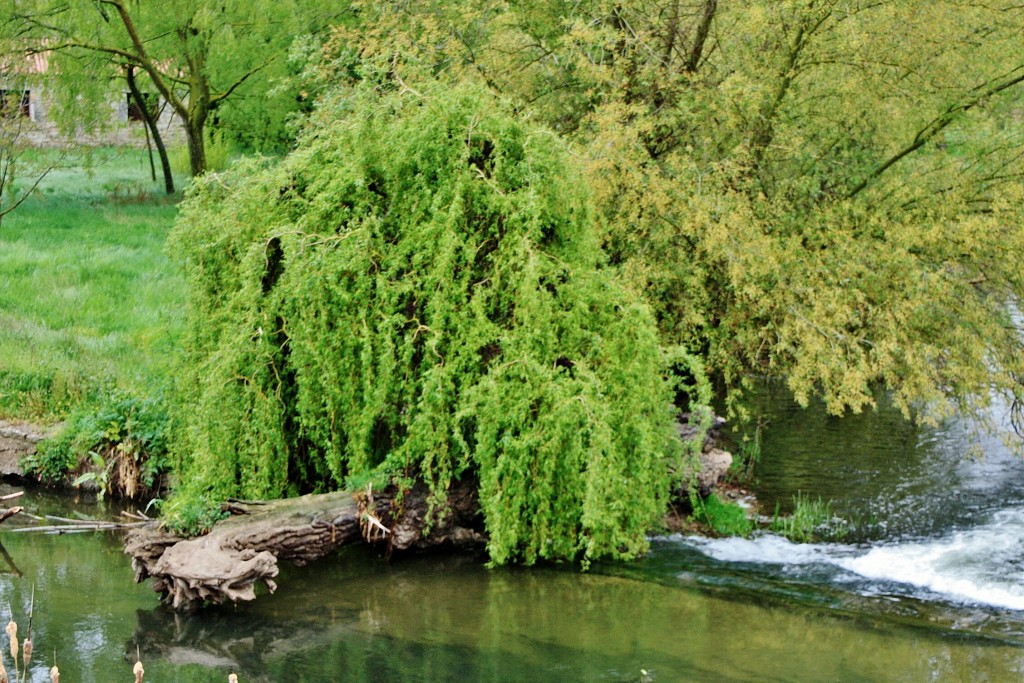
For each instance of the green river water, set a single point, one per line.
(932, 589)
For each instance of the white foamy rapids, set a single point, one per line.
(983, 565)
(767, 549)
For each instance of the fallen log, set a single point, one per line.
(243, 550)
(6, 514)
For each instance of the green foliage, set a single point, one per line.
(812, 519)
(191, 516)
(267, 121)
(820, 191)
(418, 290)
(200, 58)
(723, 518)
(52, 461)
(122, 441)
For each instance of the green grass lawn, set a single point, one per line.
(89, 300)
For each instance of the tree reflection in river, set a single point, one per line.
(448, 619)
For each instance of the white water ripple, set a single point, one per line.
(981, 565)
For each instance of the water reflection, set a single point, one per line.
(355, 618)
(677, 614)
(7, 564)
(907, 480)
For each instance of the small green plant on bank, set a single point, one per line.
(723, 518)
(190, 516)
(812, 519)
(121, 444)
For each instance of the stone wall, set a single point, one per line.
(114, 130)
(17, 439)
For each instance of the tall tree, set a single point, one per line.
(417, 293)
(819, 189)
(198, 54)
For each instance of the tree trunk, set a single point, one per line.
(244, 549)
(151, 125)
(194, 127)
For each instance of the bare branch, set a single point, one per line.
(216, 99)
(936, 126)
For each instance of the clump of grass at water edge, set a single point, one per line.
(811, 520)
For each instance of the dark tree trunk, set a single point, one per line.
(154, 129)
(196, 145)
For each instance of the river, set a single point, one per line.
(930, 587)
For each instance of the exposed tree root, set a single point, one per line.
(244, 549)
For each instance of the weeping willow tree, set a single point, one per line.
(417, 291)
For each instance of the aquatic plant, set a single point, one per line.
(749, 453)
(25, 649)
(811, 519)
(12, 636)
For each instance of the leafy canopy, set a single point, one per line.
(418, 291)
(209, 61)
(824, 190)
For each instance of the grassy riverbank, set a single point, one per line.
(89, 300)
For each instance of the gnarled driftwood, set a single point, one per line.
(244, 549)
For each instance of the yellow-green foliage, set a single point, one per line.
(823, 190)
(418, 290)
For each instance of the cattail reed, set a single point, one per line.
(3, 671)
(138, 671)
(26, 652)
(54, 674)
(12, 633)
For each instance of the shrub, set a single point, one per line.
(120, 445)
